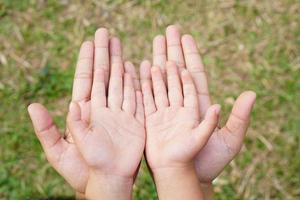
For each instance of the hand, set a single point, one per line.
(112, 142)
(61, 152)
(174, 132)
(225, 143)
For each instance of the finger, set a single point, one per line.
(101, 58)
(239, 119)
(98, 98)
(115, 50)
(46, 131)
(174, 48)
(206, 128)
(130, 69)
(115, 90)
(139, 113)
(129, 101)
(148, 100)
(84, 73)
(189, 91)
(159, 88)
(160, 53)
(195, 67)
(77, 127)
(174, 85)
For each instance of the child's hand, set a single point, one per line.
(61, 152)
(112, 142)
(225, 143)
(174, 132)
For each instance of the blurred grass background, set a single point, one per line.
(253, 44)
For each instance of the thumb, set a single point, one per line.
(239, 119)
(205, 129)
(47, 132)
(77, 127)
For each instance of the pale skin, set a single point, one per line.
(221, 148)
(112, 144)
(225, 143)
(104, 119)
(174, 132)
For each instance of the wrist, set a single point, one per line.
(177, 183)
(79, 196)
(169, 172)
(108, 186)
(208, 190)
(206, 184)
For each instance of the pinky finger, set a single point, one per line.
(130, 69)
(129, 101)
(146, 85)
(139, 113)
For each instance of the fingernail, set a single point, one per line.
(29, 108)
(218, 109)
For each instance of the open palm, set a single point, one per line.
(60, 151)
(174, 135)
(225, 143)
(113, 141)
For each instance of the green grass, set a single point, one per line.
(245, 45)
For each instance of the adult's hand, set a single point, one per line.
(226, 142)
(60, 151)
